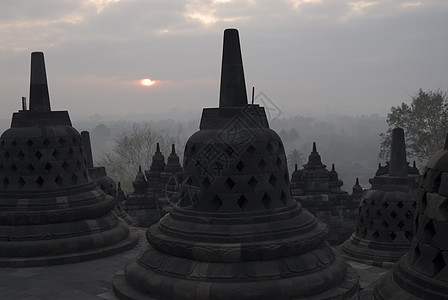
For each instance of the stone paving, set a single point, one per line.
(92, 280)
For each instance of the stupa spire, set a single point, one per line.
(398, 165)
(39, 96)
(233, 86)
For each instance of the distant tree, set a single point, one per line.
(133, 149)
(425, 123)
(295, 157)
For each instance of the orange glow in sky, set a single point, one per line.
(147, 82)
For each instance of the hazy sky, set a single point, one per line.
(307, 56)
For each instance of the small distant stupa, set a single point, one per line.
(319, 191)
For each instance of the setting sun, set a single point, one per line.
(147, 82)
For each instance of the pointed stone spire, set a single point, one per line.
(173, 165)
(314, 158)
(357, 189)
(39, 96)
(233, 85)
(87, 148)
(157, 148)
(398, 165)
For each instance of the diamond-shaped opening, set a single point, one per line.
(14, 143)
(385, 205)
(417, 253)
(240, 166)
(269, 148)
(273, 180)
(29, 143)
(384, 224)
(21, 182)
(283, 197)
(62, 141)
(376, 235)
(30, 167)
(21, 155)
(40, 181)
(371, 223)
(278, 162)
(48, 167)
(266, 200)
(251, 149)
(65, 166)
(38, 154)
(230, 183)
(378, 213)
(84, 175)
(58, 180)
(242, 202)
(400, 204)
(393, 214)
(56, 153)
(429, 231)
(400, 224)
(216, 203)
(229, 151)
(74, 178)
(364, 233)
(5, 182)
(252, 182)
(70, 151)
(206, 183)
(438, 263)
(392, 235)
(262, 164)
(408, 214)
(46, 142)
(13, 168)
(189, 181)
(78, 164)
(408, 235)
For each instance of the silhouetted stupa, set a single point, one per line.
(386, 212)
(51, 212)
(236, 232)
(423, 273)
(319, 191)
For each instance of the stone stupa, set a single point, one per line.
(236, 232)
(386, 212)
(51, 212)
(319, 191)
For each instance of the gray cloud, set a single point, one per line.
(323, 55)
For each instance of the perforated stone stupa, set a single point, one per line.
(236, 232)
(51, 212)
(386, 212)
(423, 273)
(319, 191)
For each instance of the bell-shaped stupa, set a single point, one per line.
(386, 212)
(51, 212)
(319, 191)
(236, 232)
(422, 273)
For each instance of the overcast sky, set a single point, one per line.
(306, 56)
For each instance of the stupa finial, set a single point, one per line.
(39, 96)
(233, 85)
(398, 165)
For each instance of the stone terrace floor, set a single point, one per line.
(93, 279)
